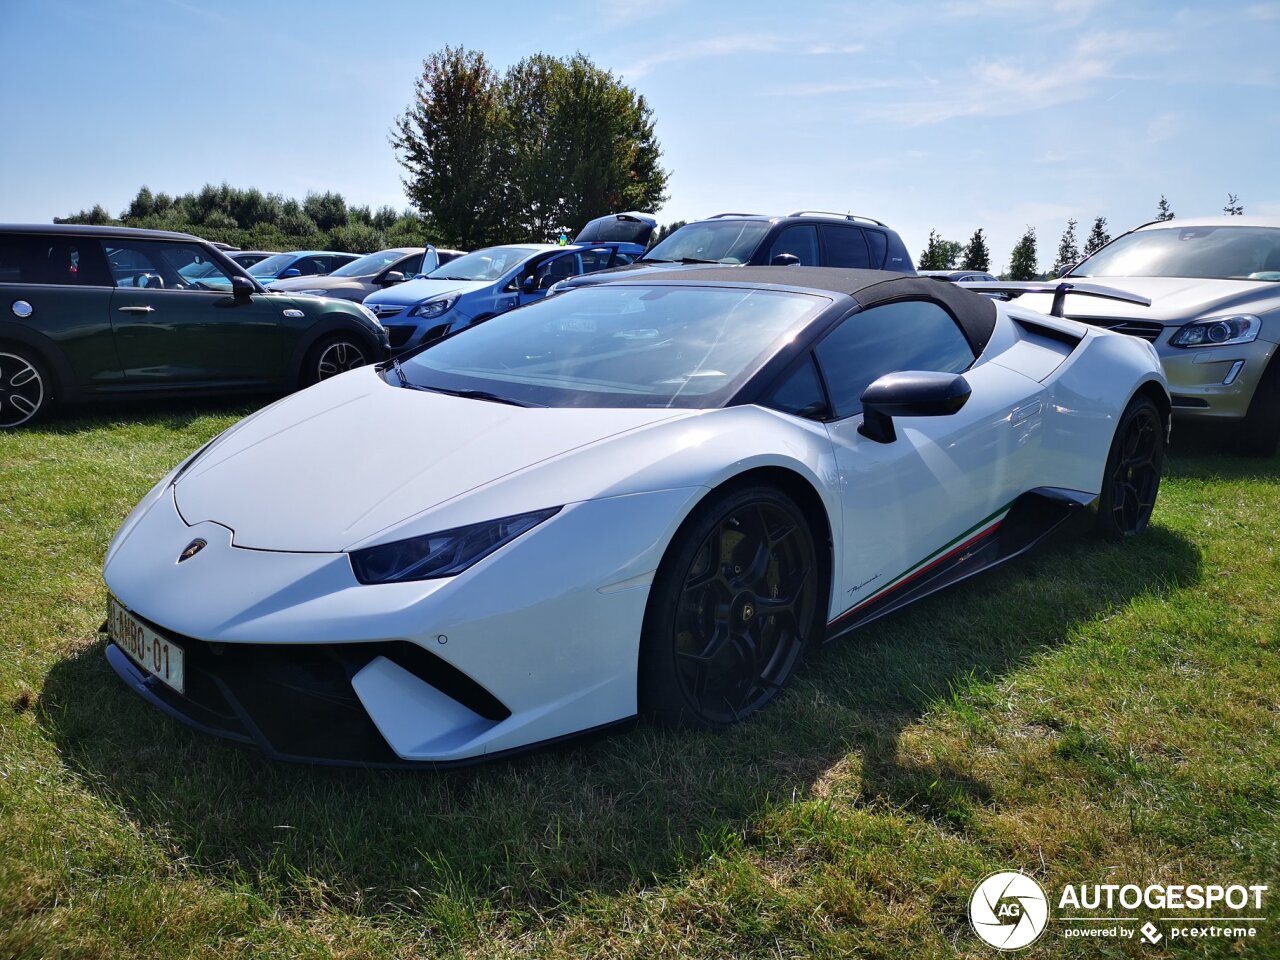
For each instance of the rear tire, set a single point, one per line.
(1260, 429)
(733, 606)
(26, 388)
(332, 355)
(1132, 478)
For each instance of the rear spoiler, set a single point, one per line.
(1059, 290)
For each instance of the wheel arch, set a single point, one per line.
(800, 489)
(47, 351)
(326, 327)
(1154, 391)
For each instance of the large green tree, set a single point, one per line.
(560, 142)
(455, 148)
(976, 256)
(1022, 263)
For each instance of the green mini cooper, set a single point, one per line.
(109, 311)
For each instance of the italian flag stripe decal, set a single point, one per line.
(980, 530)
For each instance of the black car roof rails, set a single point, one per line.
(832, 213)
(719, 215)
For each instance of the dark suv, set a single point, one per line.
(109, 311)
(811, 238)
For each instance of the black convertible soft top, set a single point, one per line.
(975, 313)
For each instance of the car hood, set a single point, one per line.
(354, 457)
(294, 284)
(415, 291)
(1174, 300)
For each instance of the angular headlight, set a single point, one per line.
(442, 554)
(430, 309)
(1218, 331)
(312, 293)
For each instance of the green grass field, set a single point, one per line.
(1090, 713)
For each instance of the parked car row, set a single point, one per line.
(114, 311)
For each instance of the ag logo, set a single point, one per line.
(1009, 910)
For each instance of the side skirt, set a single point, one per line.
(1012, 530)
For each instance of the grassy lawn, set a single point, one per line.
(1091, 713)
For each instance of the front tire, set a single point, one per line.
(332, 355)
(1132, 478)
(731, 610)
(26, 389)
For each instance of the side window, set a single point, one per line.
(909, 335)
(801, 392)
(32, 258)
(799, 241)
(157, 265)
(310, 266)
(622, 258)
(845, 246)
(596, 259)
(878, 245)
(410, 266)
(558, 269)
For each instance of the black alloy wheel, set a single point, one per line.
(733, 607)
(1132, 478)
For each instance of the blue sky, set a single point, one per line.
(954, 115)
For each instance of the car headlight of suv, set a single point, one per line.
(312, 293)
(430, 309)
(442, 554)
(1218, 331)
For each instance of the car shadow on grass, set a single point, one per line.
(173, 413)
(529, 835)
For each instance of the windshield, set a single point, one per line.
(620, 345)
(271, 266)
(720, 241)
(1214, 253)
(369, 264)
(487, 264)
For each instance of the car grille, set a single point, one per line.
(1147, 330)
(384, 309)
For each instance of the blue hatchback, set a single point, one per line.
(484, 284)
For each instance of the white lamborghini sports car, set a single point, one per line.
(647, 496)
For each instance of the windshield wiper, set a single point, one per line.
(464, 279)
(696, 260)
(473, 395)
(395, 365)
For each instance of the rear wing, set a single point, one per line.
(1059, 289)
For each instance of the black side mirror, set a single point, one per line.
(529, 284)
(909, 393)
(391, 277)
(785, 260)
(241, 289)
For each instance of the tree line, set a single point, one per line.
(941, 254)
(253, 220)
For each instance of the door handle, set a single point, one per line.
(146, 309)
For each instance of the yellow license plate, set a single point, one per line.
(153, 653)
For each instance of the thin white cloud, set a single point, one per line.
(699, 49)
(1263, 11)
